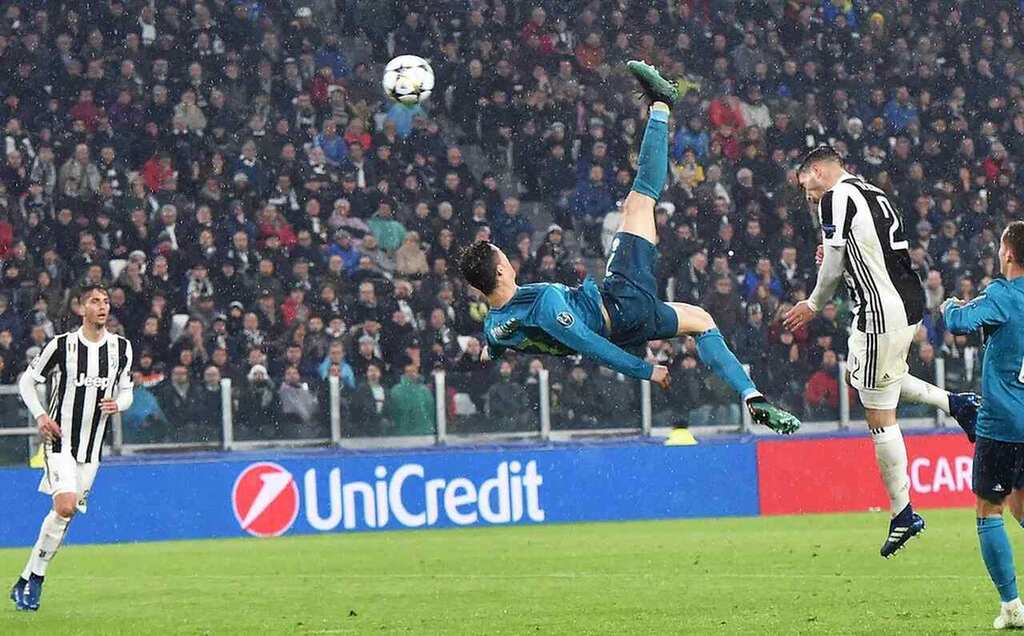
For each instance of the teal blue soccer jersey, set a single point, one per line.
(553, 319)
(1000, 313)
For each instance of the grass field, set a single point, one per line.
(782, 575)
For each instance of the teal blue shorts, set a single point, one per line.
(630, 293)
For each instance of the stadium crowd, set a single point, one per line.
(236, 163)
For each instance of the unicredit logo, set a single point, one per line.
(265, 500)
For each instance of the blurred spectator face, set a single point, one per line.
(437, 319)
(337, 353)
(723, 286)
(179, 375)
(373, 375)
(505, 370)
(473, 347)
(829, 312)
(367, 294)
(292, 377)
(829, 361)
(211, 377)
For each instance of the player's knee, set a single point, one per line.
(702, 320)
(989, 506)
(64, 508)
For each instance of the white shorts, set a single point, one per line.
(878, 364)
(64, 474)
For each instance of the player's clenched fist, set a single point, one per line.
(48, 428)
(661, 377)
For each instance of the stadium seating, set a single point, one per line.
(237, 163)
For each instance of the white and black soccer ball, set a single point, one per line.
(408, 79)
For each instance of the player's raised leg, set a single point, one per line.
(638, 219)
(652, 168)
(962, 407)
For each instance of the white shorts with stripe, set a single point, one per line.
(878, 364)
(64, 474)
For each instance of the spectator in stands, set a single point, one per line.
(411, 408)
(298, 403)
(822, 393)
(578, 400)
(179, 399)
(369, 406)
(506, 399)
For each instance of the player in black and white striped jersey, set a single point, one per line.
(90, 374)
(864, 242)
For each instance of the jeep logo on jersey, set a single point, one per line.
(565, 319)
(92, 382)
(265, 500)
(829, 230)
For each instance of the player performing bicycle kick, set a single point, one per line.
(598, 320)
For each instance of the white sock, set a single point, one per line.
(917, 390)
(1012, 605)
(51, 534)
(891, 454)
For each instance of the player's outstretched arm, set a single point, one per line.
(833, 259)
(560, 322)
(964, 317)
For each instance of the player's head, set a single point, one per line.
(486, 267)
(1011, 249)
(94, 301)
(818, 172)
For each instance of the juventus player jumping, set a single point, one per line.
(90, 372)
(864, 242)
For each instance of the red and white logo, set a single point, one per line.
(265, 499)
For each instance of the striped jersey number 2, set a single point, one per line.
(896, 228)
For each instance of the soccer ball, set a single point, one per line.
(408, 79)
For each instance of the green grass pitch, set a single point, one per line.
(783, 575)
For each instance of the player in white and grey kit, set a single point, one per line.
(90, 374)
(865, 244)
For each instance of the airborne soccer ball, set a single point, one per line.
(408, 79)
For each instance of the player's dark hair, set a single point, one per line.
(85, 290)
(821, 153)
(479, 266)
(1014, 237)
